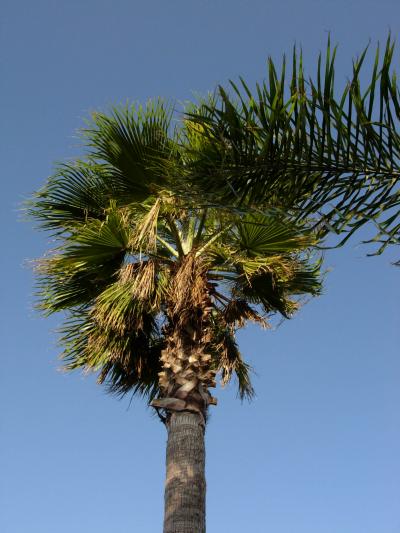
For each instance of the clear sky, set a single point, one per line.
(318, 450)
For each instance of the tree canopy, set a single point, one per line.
(124, 229)
(244, 188)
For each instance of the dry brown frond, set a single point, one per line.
(189, 287)
(120, 307)
(140, 279)
(128, 272)
(146, 234)
(229, 356)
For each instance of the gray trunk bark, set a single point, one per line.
(185, 486)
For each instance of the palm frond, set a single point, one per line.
(259, 235)
(97, 240)
(146, 230)
(237, 312)
(125, 363)
(229, 361)
(273, 287)
(86, 262)
(132, 141)
(74, 193)
(300, 148)
(124, 304)
(59, 287)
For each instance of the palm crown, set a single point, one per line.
(154, 284)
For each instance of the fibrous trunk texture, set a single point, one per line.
(187, 371)
(185, 486)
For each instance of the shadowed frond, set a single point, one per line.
(60, 288)
(265, 261)
(229, 361)
(274, 289)
(125, 362)
(237, 312)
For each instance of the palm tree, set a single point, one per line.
(155, 287)
(169, 240)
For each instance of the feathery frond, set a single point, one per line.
(298, 146)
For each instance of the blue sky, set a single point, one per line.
(317, 450)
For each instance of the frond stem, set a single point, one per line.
(212, 240)
(201, 226)
(167, 246)
(176, 235)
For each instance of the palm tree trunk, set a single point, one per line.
(185, 487)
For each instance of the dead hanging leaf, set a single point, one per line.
(140, 279)
(189, 286)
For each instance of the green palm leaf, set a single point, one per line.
(299, 148)
(258, 235)
(73, 194)
(130, 142)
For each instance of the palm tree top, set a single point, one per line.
(128, 229)
(232, 199)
